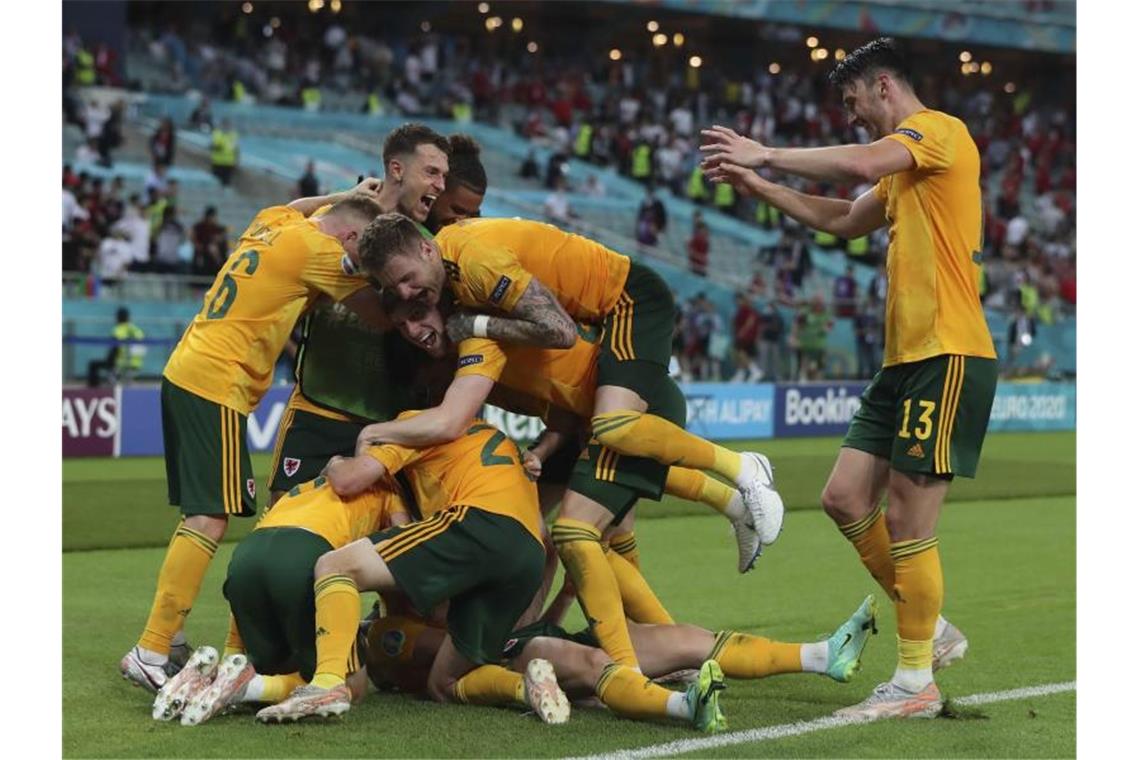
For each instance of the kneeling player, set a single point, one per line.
(269, 586)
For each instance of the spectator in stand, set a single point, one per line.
(717, 341)
(308, 186)
(1021, 333)
(123, 358)
(877, 291)
(772, 342)
(202, 118)
(162, 143)
(529, 168)
(224, 152)
(87, 152)
(696, 339)
(809, 337)
(136, 230)
(698, 247)
(868, 339)
(210, 246)
(168, 243)
(557, 205)
(156, 180)
(113, 257)
(845, 294)
(745, 335)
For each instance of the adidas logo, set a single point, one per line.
(916, 451)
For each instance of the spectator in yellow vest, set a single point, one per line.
(124, 357)
(224, 152)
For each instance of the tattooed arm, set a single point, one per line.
(537, 320)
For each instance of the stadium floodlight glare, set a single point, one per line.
(819, 54)
(659, 39)
(966, 69)
(773, 68)
(840, 54)
(334, 6)
(247, 7)
(425, 26)
(1010, 87)
(516, 24)
(987, 68)
(812, 42)
(532, 47)
(678, 39)
(484, 7)
(652, 26)
(275, 22)
(965, 56)
(615, 55)
(315, 5)
(695, 61)
(974, 67)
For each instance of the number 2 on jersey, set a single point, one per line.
(487, 456)
(220, 304)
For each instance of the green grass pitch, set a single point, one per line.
(1009, 558)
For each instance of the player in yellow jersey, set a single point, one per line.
(923, 418)
(479, 548)
(535, 280)
(565, 379)
(426, 177)
(269, 586)
(219, 371)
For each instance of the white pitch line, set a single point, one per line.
(799, 728)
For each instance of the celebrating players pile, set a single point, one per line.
(385, 479)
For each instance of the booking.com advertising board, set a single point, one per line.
(127, 421)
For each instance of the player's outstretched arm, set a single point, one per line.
(836, 163)
(370, 187)
(353, 475)
(440, 424)
(538, 319)
(845, 219)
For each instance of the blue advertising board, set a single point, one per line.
(815, 408)
(727, 411)
(1034, 406)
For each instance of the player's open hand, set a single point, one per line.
(532, 464)
(721, 145)
(744, 181)
(370, 187)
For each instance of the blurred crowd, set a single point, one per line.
(644, 122)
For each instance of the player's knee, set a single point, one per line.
(212, 527)
(593, 661)
(336, 562)
(840, 503)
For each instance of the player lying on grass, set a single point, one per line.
(333, 398)
(601, 481)
(271, 648)
(537, 280)
(287, 258)
(402, 647)
(479, 546)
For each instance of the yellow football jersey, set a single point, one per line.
(478, 469)
(566, 378)
(298, 403)
(315, 507)
(281, 264)
(490, 262)
(933, 260)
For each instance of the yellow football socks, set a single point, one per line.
(271, 689)
(873, 543)
(694, 485)
(338, 615)
(741, 655)
(234, 644)
(918, 600)
(579, 546)
(647, 435)
(637, 598)
(490, 685)
(630, 694)
(187, 557)
(625, 544)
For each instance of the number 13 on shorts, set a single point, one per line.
(923, 426)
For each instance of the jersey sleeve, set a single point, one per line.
(492, 275)
(327, 270)
(393, 457)
(927, 137)
(480, 356)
